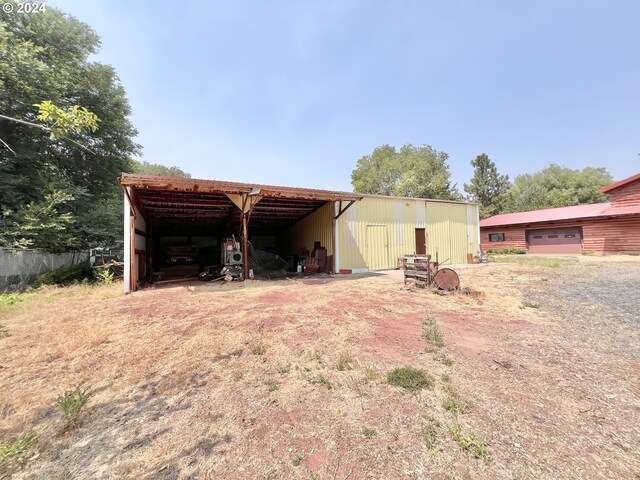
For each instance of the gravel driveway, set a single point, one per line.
(612, 290)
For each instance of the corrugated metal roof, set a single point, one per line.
(460, 202)
(554, 214)
(170, 201)
(181, 184)
(621, 183)
(628, 210)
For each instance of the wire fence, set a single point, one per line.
(20, 268)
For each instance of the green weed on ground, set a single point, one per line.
(469, 443)
(369, 432)
(15, 452)
(410, 378)
(445, 359)
(72, 403)
(527, 304)
(272, 386)
(550, 262)
(431, 334)
(429, 430)
(8, 299)
(453, 402)
(321, 380)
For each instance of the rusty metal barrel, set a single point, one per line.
(446, 279)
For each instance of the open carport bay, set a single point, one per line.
(179, 227)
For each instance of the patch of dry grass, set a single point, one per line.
(179, 392)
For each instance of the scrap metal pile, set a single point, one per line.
(261, 263)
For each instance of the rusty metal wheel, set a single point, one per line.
(446, 279)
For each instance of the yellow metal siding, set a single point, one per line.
(356, 235)
(377, 247)
(312, 228)
(449, 233)
(361, 227)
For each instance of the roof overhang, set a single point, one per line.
(177, 200)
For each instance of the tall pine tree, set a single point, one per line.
(487, 186)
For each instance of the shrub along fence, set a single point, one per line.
(20, 268)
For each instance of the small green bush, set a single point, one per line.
(4, 331)
(80, 273)
(506, 251)
(259, 349)
(103, 276)
(72, 403)
(410, 378)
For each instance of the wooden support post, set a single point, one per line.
(245, 240)
(132, 248)
(245, 248)
(149, 248)
(333, 244)
(334, 219)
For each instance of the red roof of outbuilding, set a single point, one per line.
(621, 183)
(557, 214)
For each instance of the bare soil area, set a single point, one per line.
(238, 381)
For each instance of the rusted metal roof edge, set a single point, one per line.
(611, 212)
(621, 183)
(181, 184)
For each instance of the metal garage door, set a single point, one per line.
(555, 240)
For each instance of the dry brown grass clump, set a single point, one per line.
(289, 379)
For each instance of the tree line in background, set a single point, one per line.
(58, 180)
(66, 136)
(424, 172)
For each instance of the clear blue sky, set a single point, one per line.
(295, 92)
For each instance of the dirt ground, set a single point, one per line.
(238, 381)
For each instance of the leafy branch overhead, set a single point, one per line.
(59, 191)
(62, 123)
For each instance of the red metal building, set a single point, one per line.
(601, 228)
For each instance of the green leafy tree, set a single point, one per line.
(38, 223)
(557, 186)
(47, 78)
(487, 186)
(146, 168)
(411, 172)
